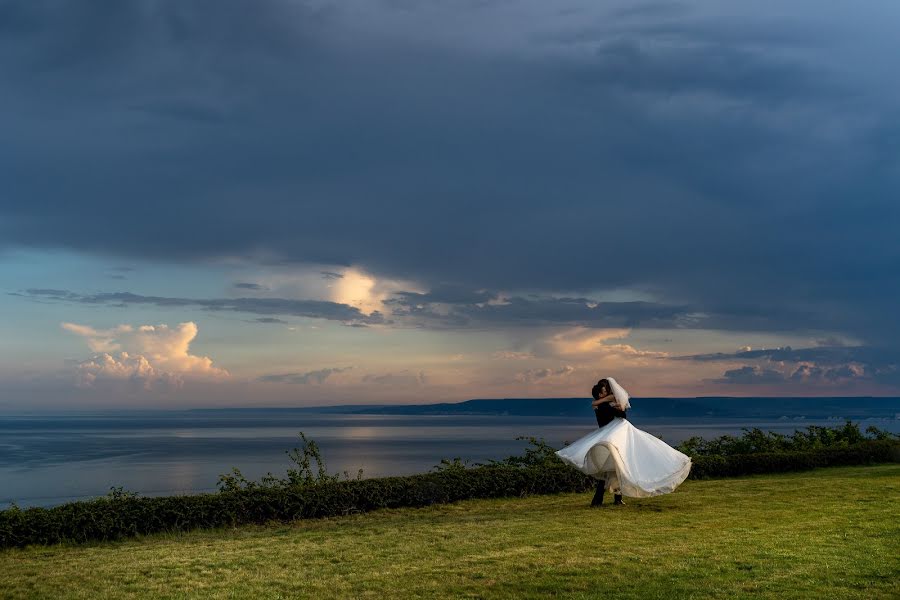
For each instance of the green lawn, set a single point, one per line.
(832, 533)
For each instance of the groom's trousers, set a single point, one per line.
(601, 490)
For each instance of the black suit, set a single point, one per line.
(606, 412)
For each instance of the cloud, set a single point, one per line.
(458, 308)
(358, 293)
(720, 148)
(812, 372)
(249, 286)
(751, 375)
(445, 294)
(786, 353)
(315, 377)
(585, 349)
(270, 320)
(404, 378)
(803, 375)
(582, 340)
(99, 340)
(544, 375)
(830, 364)
(360, 290)
(146, 354)
(123, 367)
(512, 355)
(315, 309)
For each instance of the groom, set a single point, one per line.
(605, 409)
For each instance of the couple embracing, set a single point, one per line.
(624, 459)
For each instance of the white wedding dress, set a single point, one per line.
(633, 462)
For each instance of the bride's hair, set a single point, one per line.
(595, 391)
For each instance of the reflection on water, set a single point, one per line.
(46, 461)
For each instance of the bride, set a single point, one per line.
(623, 458)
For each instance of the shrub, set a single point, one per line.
(299, 475)
(755, 441)
(538, 453)
(866, 452)
(110, 519)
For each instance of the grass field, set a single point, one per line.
(832, 533)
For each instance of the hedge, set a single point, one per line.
(110, 519)
(864, 453)
(120, 517)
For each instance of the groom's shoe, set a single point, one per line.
(598, 495)
(618, 500)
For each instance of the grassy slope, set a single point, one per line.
(831, 533)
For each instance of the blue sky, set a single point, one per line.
(295, 202)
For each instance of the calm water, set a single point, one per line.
(50, 460)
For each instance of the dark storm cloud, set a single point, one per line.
(319, 376)
(531, 312)
(580, 310)
(751, 375)
(410, 309)
(819, 354)
(829, 355)
(808, 372)
(818, 363)
(314, 309)
(738, 165)
(273, 320)
(445, 294)
(403, 378)
(801, 375)
(453, 307)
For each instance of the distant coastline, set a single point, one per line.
(707, 406)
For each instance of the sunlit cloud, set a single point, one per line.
(358, 289)
(593, 345)
(123, 367)
(347, 286)
(99, 340)
(581, 340)
(146, 354)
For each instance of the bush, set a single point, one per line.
(299, 475)
(115, 518)
(755, 441)
(864, 453)
(538, 453)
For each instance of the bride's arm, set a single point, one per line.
(603, 400)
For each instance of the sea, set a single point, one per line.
(47, 460)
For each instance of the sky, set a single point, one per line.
(294, 203)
